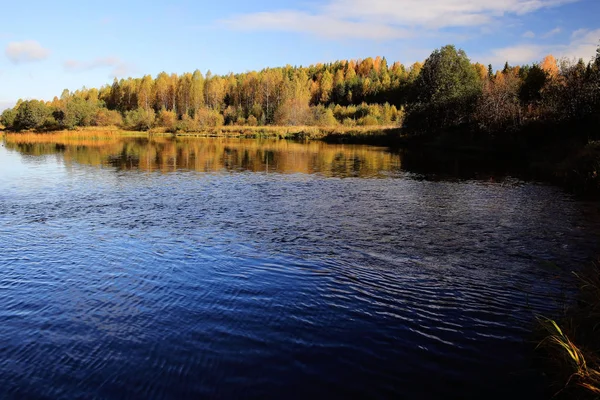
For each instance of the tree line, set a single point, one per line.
(452, 93)
(447, 91)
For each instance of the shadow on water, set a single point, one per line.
(438, 165)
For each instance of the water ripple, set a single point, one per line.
(189, 284)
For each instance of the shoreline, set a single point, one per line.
(568, 163)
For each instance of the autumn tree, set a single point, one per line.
(197, 91)
(446, 91)
(499, 107)
(294, 110)
(482, 71)
(550, 66)
(184, 91)
(339, 87)
(161, 90)
(214, 91)
(271, 82)
(145, 92)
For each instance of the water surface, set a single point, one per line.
(136, 268)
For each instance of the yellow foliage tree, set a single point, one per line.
(550, 66)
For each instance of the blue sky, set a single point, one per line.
(50, 46)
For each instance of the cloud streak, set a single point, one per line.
(118, 66)
(26, 51)
(322, 25)
(386, 19)
(551, 33)
(583, 44)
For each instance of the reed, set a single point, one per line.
(573, 346)
(293, 132)
(67, 136)
(355, 134)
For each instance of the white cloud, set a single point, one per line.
(583, 44)
(119, 67)
(74, 65)
(26, 51)
(322, 25)
(579, 33)
(437, 13)
(386, 19)
(514, 55)
(551, 33)
(529, 35)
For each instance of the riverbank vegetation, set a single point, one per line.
(572, 346)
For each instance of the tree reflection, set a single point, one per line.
(212, 154)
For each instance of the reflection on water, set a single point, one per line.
(211, 155)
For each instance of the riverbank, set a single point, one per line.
(571, 163)
(383, 135)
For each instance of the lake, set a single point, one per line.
(224, 268)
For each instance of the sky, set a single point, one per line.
(50, 46)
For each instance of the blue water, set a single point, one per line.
(242, 282)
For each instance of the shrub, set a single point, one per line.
(252, 121)
(324, 116)
(186, 124)
(8, 118)
(349, 122)
(206, 118)
(50, 124)
(369, 120)
(231, 115)
(168, 120)
(106, 117)
(139, 119)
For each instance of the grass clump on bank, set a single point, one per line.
(82, 136)
(378, 135)
(326, 133)
(573, 346)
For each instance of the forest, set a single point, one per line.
(445, 93)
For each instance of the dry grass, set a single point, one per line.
(82, 137)
(574, 349)
(572, 358)
(293, 132)
(377, 135)
(233, 131)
